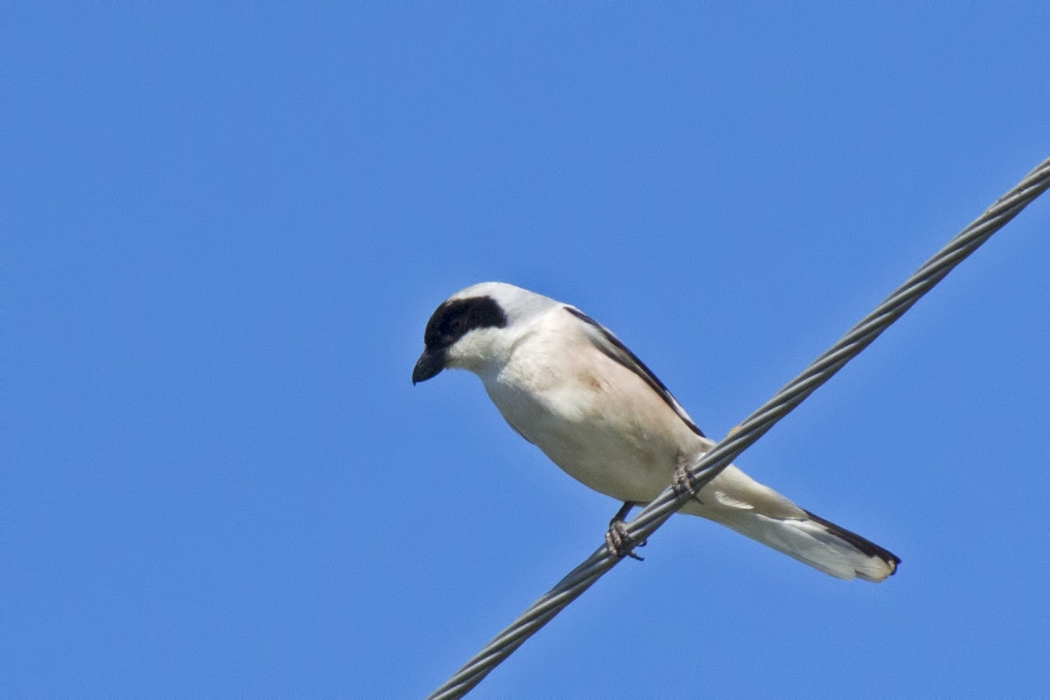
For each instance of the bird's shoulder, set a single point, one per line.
(612, 347)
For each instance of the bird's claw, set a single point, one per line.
(620, 542)
(682, 480)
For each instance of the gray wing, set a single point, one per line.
(612, 348)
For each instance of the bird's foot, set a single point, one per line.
(682, 480)
(618, 539)
(620, 542)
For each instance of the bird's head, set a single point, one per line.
(475, 327)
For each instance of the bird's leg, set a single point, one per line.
(682, 481)
(617, 538)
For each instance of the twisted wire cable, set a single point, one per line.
(710, 464)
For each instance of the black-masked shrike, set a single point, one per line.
(570, 387)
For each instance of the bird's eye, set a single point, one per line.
(454, 326)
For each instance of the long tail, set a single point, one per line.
(823, 545)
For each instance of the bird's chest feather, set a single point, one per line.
(596, 425)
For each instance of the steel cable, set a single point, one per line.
(711, 463)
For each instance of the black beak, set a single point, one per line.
(428, 366)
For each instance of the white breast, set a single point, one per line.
(593, 417)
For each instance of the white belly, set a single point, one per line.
(605, 428)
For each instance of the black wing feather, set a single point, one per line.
(617, 351)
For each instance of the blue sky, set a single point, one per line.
(225, 228)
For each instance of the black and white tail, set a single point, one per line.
(739, 502)
(812, 540)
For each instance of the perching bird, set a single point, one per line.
(570, 387)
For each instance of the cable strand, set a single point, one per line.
(711, 463)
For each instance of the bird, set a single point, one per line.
(566, 384)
